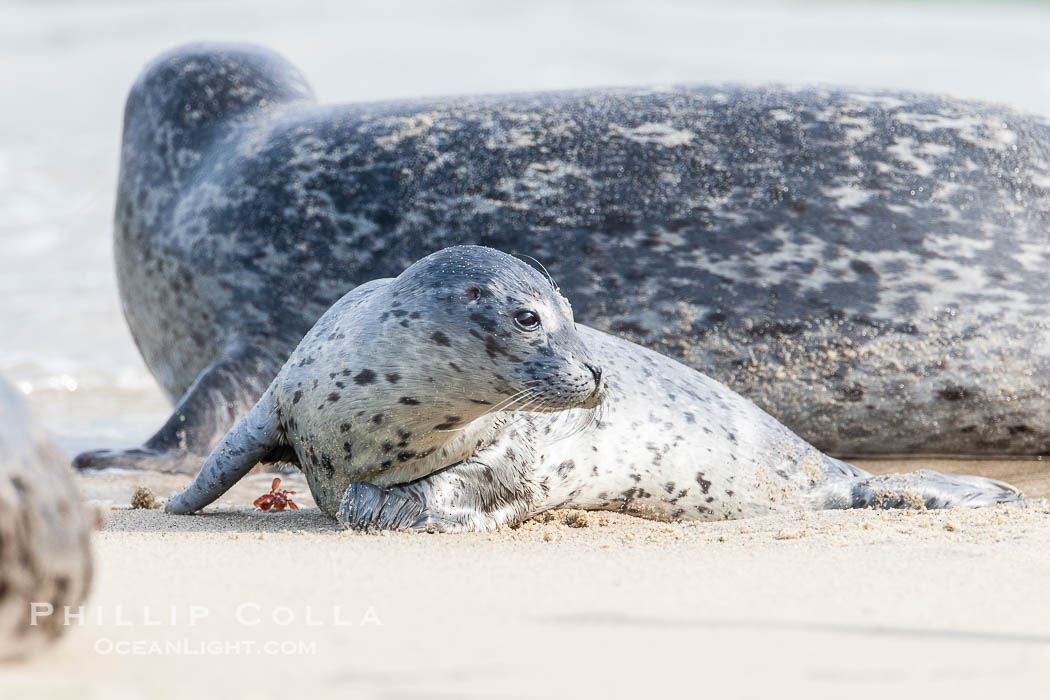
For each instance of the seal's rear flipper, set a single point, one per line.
(921, 489)
(223, 392)
(249, 442)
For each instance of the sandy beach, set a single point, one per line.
(861, 603)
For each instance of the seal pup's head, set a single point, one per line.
(499, 329)
(406, 376)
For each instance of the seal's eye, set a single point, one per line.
(527, 320)
(473, 293)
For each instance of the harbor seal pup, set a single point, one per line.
(45, 548)
(462, 395)
(869, 267)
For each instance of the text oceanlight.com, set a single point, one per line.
(193, 647)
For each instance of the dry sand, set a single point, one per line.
(833, 604)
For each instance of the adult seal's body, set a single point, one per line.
(45, 553)
(462, 396)
(869, 267)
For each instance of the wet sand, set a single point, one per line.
(825, 604)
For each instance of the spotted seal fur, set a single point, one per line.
(869, 267)
(462, 395)
(45, 552)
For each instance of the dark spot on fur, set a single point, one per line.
(440, 338)
(494, 349)
(484, 322)
(565, 467)
(705, 485)
(408, 401)
(854, 392)
(954, 393)
(861, 267)
(393, 377)
(365, 376)
(450, 422)
(629, 327)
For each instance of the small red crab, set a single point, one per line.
(278, 500)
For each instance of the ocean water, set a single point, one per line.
(65, 67)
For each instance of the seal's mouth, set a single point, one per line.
(596, 396)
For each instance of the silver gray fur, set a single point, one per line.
(45, 547)
(418, 403)
(868, 267)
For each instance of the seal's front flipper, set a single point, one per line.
(252, 440)
(222, 393)
(368, 507)
(921, 489)
(466, 497)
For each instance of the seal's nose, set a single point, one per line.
(596, 372)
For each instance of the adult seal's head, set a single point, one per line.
(417, 373)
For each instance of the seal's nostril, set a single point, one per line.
(596, 372)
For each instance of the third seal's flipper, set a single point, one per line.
(920, 489)
(250, 441)
(223, 392)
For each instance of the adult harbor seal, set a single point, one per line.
(45, 548)
(867, 266)
(462, 396)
